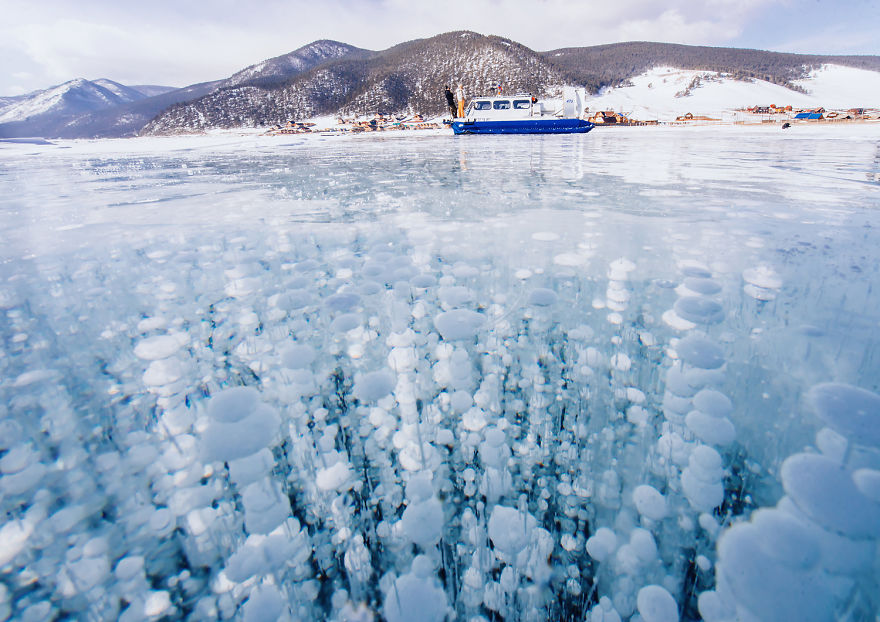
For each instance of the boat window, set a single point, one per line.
(482, 105)
(504, 104)
(521, 104)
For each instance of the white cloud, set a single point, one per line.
(180, 42)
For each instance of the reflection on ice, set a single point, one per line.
(530, 378)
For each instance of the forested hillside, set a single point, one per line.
(611, 65)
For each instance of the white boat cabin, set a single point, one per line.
(523, 106)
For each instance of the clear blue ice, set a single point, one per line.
(628, 375)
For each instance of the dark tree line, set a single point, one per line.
(612, 65)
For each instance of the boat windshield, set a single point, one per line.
(521, 104)
(482, 105)
(503, 104)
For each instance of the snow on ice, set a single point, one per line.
(620, 376)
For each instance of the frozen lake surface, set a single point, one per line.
(628, 375)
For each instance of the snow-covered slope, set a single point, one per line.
(293, 63)
(843, 87)
(664, 93)
(151, 90)
(124, 93)
(74, 97)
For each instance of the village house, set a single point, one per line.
(692, 117)
(608, 117)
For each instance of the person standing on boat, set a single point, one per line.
(459, 92)
(450, 100)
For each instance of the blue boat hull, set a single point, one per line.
(523, 126)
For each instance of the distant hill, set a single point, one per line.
(151, 90)
(281, 68)
(127, 115)
(406, 78)
(333, 78)
(71, 98)
(601, 66)
(409, 78)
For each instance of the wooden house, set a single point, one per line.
(608, 117)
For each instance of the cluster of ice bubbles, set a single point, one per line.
(369, 427)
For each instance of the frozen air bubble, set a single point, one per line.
(455, 295)
(766, 587)
(344, 302)
(759, 293)
(230, 441)
(459, 324)
(763, 277)
(162, 522)
(699, 310)
(463, 270)
(832, 444)
(602, 544)
(673, 320)
(157, 603)
(656, 604)
(826, 492)
(412, 597)
(233, 404)
(334, 477)
(461, 401)
(422, 522)
(785, 539)
(509, 530)
(698, 272)
(297, 356)
(621, 361)
(570, 260)
(712, 402)
(293, 300)
(163, 372)
(703, 496)
(18, 458)
(542, 297)
(373, 386)
(545, 236)
(840, 554)
(370, 288)
(423, 281)
(677, 384)
(710, 429)
(152, 323)
(868, 483)
(264, 603)
(621, 266)
(704, 286)
(849, 410)
(345, 323)
(706, 462)
(699, 352)
(649, 502)
(474, 420)
(159, 347)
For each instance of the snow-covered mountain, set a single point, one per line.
(103, 108)
(287, 65)
(151, 90)
(406, 78)
(409, 78)
(664, 93)
(648, 80)
(74, 97)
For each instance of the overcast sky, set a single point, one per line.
(181, 42)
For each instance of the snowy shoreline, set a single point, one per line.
(238, 137)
